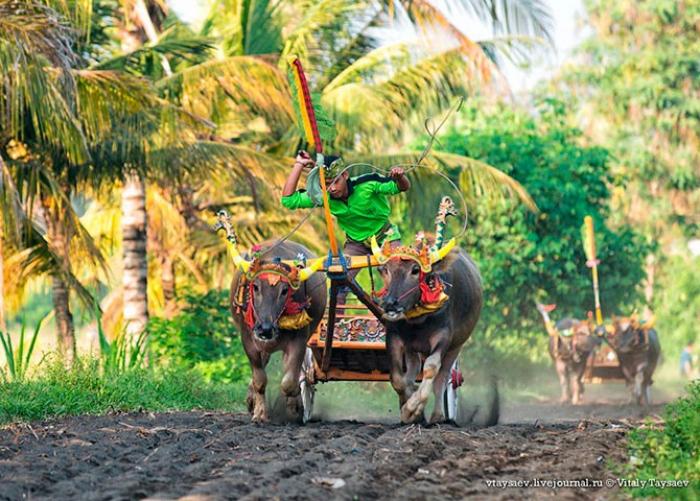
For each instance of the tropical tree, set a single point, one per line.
(242, 88)
(96, 126)
(638, 83)
(527, 257)
(38, 103)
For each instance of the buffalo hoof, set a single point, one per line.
(438, 419)
(260, 416)
(412, 411)
(294, 409)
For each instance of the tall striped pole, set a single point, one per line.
(313, 138)
(592, 263)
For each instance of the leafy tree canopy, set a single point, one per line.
(527, 256)
(638, 77)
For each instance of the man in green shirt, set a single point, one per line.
(360, 204)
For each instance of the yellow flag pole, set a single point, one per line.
(593, 264)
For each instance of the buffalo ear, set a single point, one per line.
(446, 262)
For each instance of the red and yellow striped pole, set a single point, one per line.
(313, 138)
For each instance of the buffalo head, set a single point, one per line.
(270, 286)
(624, 337)
(405, 271)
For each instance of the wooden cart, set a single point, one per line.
(358, 353)
(603, 366)
(350, 344)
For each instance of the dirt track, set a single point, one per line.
(223, 456)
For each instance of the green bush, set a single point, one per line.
(670, 452)
(202, 337)
(85, 388)
(677, 304)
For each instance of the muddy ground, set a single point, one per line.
(202, 456)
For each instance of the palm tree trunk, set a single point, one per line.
(59, 240)
(3, 325)
(167, 278)
(134, 236)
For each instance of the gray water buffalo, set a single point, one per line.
(276, 305)
(637, 348)
(432, 300)
(571, 342)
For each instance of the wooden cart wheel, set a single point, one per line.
(308, 389)
(451, 396)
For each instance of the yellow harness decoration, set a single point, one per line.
(424, 309)
(295, 322)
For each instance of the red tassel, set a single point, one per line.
(249, 317)
(428, 295)
(293, 307)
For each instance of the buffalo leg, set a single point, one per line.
(292, 360)
(412, 410)
(576, 387)
(647, 394)
(412, 370)
(563, 381)
(256, 391)
(439, 385)
(398, 376)
(639, 386)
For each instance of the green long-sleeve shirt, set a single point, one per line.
(366, 210)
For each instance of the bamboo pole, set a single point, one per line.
(593, 264)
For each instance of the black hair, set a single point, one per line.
(328, 160)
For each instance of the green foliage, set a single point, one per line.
(669, 452)
(18, 359)
(85, 389)
(525, 256)
(641, 78)
(120, 355)
(677, 303)
(202, 337)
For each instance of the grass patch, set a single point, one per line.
(669, 452)
(85, 389)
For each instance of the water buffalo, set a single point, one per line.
(571, 342)
(276, 305)
(637, 348)
(432, 300)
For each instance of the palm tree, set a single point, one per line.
(38, 101)
(372, 92)
(70, 128)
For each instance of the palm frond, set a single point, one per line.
(232, 92)
(371, 115)
(32, 30)
(38, 92)
(246, 27)
(517, 49)
(141, 60)
(506, 17)
(478, 181)
(316, 16)
(38, 259)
